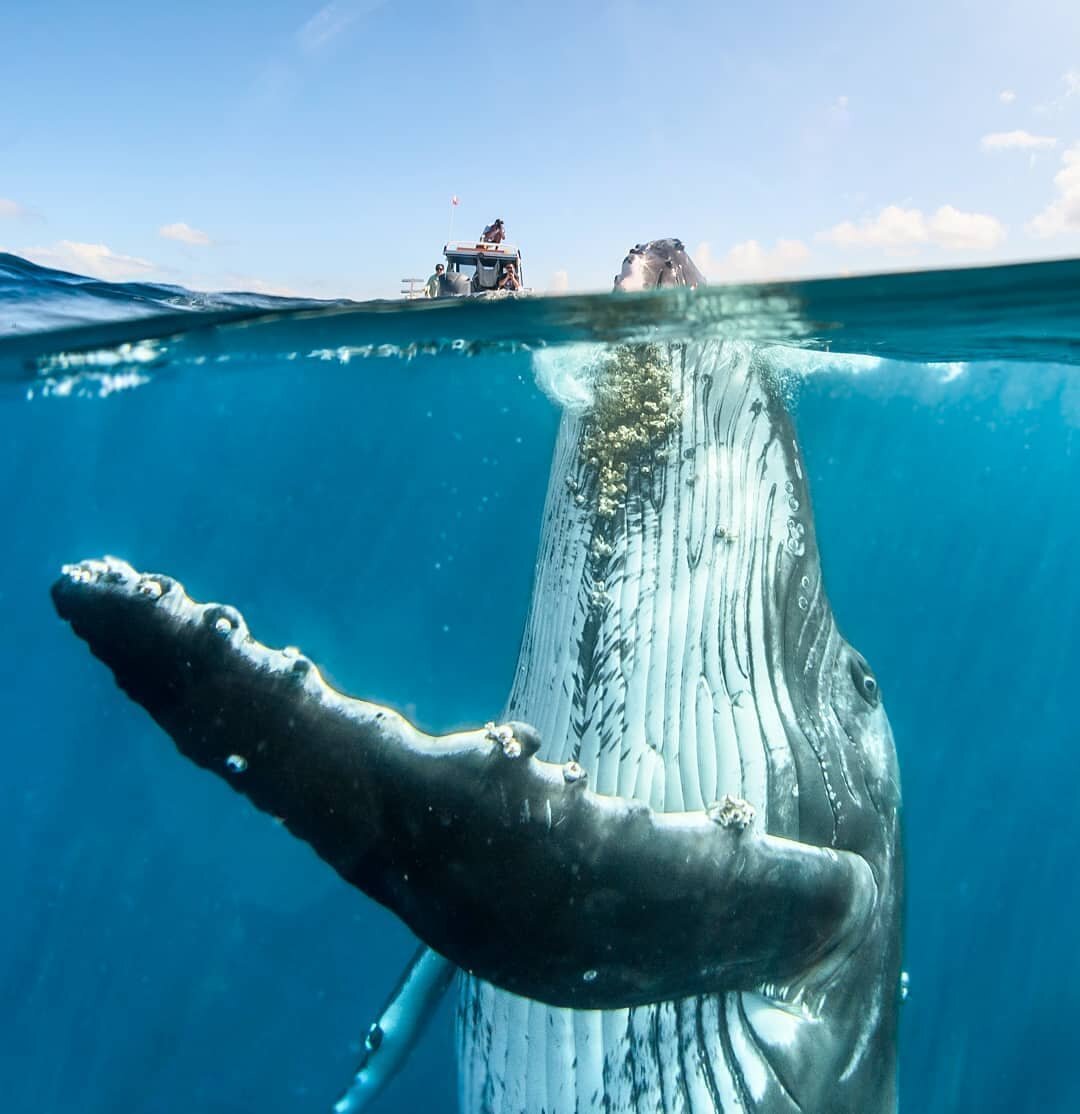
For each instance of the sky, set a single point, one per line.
(288, 146)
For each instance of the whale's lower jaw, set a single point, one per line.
(709, 606)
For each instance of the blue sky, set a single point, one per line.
(310, 148)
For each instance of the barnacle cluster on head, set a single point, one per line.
(633, 417)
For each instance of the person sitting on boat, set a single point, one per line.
(432, 287)
(495, 233)
(509, 279)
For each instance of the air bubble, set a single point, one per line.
(236, 763)
(590, 975)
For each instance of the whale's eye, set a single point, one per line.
(865, 681)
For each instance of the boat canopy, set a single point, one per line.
(469, 250)
(481, 263)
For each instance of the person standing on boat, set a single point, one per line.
(432, 287)
(495, 232)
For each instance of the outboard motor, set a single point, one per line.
(658, 263)
(453, 284)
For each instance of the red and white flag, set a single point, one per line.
(454, 200)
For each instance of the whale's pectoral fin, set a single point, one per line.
(400, 1025)
(508, 866)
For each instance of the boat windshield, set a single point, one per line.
(482, 269)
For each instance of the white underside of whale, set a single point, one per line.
(680, 709)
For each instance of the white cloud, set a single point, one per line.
(1006, 96)
(1071, 83)
(326, 24)
(951, 228)
(559, 283)
(1063, 213)
(893, 227)
(279, 78)
(184, 233)
(329, 22)
(13, 210)
(1016, 141)
(899, 229)
(234, 282)
(90, 259)
(749, 260)
(249, 284)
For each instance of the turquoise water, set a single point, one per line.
(366, 482)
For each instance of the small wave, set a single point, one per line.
(35, 299)
(1028, 312)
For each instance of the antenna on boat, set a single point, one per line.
(453, 205)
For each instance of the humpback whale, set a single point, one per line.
(671, 874)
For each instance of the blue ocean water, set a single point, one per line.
(168, 949)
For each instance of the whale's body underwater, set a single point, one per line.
(698, 909)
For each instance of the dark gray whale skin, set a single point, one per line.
(509, 866)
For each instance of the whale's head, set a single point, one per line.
(658, 263)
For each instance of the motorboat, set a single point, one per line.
(475, 268)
